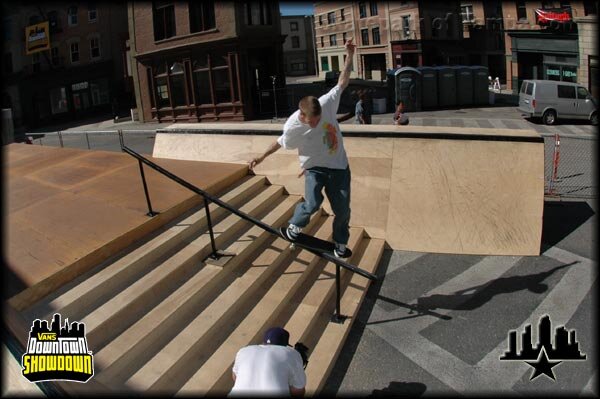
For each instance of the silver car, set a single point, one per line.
(550, 100)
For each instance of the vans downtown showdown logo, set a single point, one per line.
(57, 353)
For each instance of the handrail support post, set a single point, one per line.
(150, 213)
(338, 317)
(217, 257)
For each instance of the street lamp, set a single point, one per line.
(274, 94)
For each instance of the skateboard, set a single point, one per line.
(312, 242)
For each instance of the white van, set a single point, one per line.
(550, 100)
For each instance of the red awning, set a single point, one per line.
(552, 14)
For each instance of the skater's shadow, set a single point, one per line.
(475, 297)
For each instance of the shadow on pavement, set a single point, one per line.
(561, 219)
(477, 296)
(400, 389)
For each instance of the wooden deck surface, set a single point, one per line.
(68, 209)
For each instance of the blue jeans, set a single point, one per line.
(337, 187)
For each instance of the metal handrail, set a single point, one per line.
(337, 317)
(245, 216)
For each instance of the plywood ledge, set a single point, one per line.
(439, 195)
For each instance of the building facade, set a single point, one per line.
(298, 48)
(588, 52)
(483, 33)
(78, 70)
(334, 25)
(388, 34)
(542, 40)
(198, 61)
(426, 33)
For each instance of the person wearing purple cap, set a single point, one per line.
(271, 368)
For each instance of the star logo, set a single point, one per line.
(543, 366)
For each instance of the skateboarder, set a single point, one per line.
(313, 129)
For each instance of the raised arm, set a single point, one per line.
(345, 75)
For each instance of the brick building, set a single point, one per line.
(299, 45)
(542, 40)
(388, 34)
(207, 60)
(426, 33)
(334, 24)
(80, 71)
(483, 35)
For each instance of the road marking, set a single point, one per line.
(403, 258)
(470, 123)
(591, 388)
(490, 373)
(569, 129)
(561, 304)
(488, 269)
(497, 123)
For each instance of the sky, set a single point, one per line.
(296, 8)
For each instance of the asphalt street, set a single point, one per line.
(437, 324)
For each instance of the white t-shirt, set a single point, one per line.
(323, 145)
(267, 370)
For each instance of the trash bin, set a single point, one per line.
(408, 88)
(429, 87)
(446, 77)
(480, 84)
(464, 85)
(379, 106)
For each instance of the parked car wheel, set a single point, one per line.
(549, 117)
(594, 118)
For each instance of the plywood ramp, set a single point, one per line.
(68, 210)
(159, 319)
(428, 189)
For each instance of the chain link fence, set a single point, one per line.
(569, 166)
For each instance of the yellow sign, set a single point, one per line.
(37, 38)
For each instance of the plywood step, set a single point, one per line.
(160, 320)
(331, 341)
(89, 290)
(134, 346)
(169, 369)
(107, 321)
(215, 373)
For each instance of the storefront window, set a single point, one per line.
(221, 84)
(100, 92)
(562, 73)
(202, 87)
(58, 100)
(553, 72)
(162, 92)
(569, 74)
(178, 84)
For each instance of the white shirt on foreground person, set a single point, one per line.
(267, 370)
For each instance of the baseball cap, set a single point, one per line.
(276, 336)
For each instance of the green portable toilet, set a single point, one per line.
(446, 77)
(429, 87)
(480, 84)
(408, 88)
(464, 85)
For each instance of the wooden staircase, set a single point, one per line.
(161, 320)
